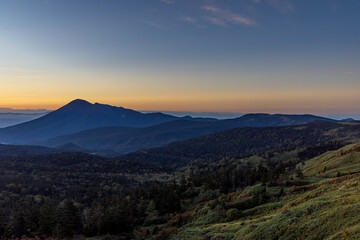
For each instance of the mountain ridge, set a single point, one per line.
(247, 140)
(124, 140)
(79, 115)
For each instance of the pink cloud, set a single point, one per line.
(221, 17)
(239, 19)
(212, 9)
(282, 5)
(188, 19)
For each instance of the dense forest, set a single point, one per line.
(76, 194)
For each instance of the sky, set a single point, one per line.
(276, 56)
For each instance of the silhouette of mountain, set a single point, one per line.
(77, 116)
(124, 140)
(348, 120)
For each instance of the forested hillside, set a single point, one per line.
(245, 141)
(267, 194)
(125, 139)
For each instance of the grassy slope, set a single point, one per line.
(329, 208)
(345, 160)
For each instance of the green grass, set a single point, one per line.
(330, 210)
(346, 160)
(327, 208)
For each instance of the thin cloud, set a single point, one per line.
(239, 19)
(154, 24)
(212, 9)
(195, 22)
(188, 19)
(222, 17)
(168, 1)
(282, 5)
(216, 21)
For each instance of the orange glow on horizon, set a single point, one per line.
(198, 93)
(261, 102)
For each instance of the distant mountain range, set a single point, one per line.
(217, 115)
(81, 115)
(83, 126)
(124, 139)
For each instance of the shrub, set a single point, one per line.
(233, 213)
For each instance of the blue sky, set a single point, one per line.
(198, 55)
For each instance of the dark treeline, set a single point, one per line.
(119, 214)
(116, 215)
(78, 176)
(316, 150)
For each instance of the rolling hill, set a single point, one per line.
(124, 139)
(343, 161)
(246, 140)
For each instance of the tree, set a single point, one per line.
(117, 218)
(2, 222)
(93, 219)
(69, 219)
(23, 220)
(48, 219)
(16, 225)
(182, 187)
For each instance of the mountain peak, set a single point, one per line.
(78, 102)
